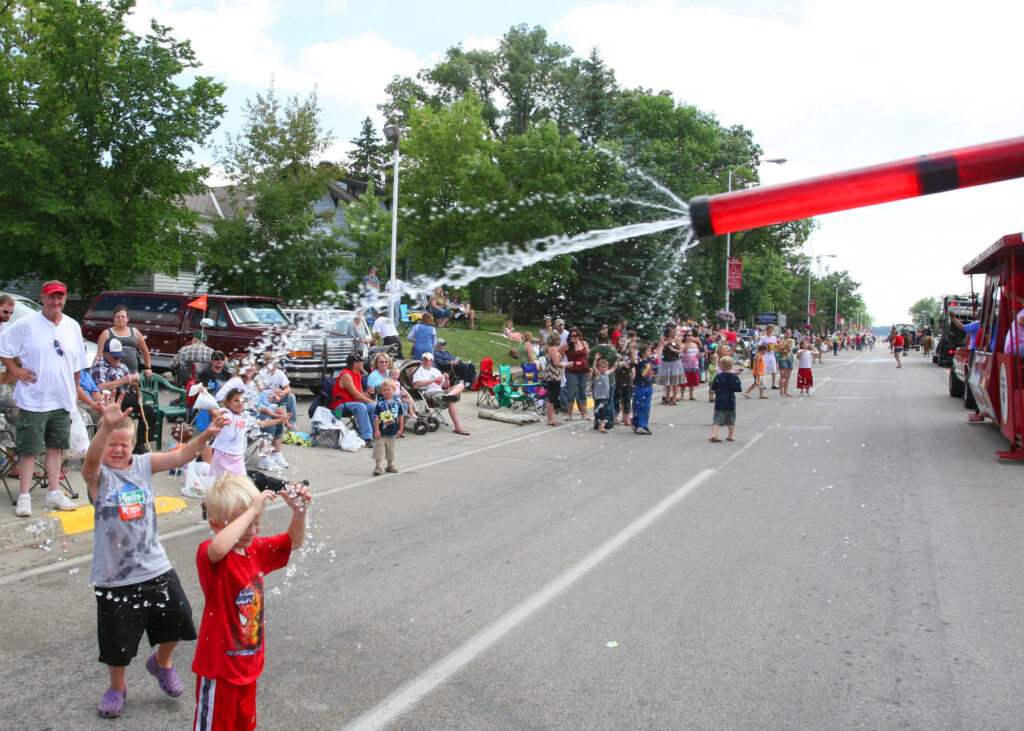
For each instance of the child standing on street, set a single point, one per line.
(229, 446)
(804, 360)
(758, 370)
(136, 589)
(387, 423)
(724, 388)
(643, 389)
(603, 409)
(229, 655)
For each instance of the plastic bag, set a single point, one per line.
(349, 440)
(197, 479)
(206, 402)
(78, 443)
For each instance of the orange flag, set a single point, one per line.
(199, 303)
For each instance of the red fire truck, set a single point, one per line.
(991, 376)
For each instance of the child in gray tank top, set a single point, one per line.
(136, 589)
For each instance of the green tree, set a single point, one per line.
(926, 309)
(96, 128)
(278, 244)
(368, 228)
(449, 181)
(369, 156)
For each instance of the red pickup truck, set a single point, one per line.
(233, 324)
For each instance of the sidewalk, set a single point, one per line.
(320, 465)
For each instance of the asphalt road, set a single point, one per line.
(853, 560)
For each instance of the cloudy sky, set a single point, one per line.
(828, 85)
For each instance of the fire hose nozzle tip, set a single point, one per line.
(700, 217)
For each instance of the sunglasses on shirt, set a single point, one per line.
(56, 346)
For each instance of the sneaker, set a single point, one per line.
(279, 458)
(24, 507)
(112, 705)
(368, 444)
(268, 465)
(168, 678)
(391, 468)
(59, 502)
(377, 471)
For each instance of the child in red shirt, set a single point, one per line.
(229, 654)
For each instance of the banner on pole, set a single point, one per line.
(735, 272)
(812, 308)
(839, 320)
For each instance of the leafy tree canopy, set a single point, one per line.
(97, 125)
(279, 244)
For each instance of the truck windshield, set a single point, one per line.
(249, 313)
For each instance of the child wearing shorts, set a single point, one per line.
(229, 655)
(387, 424)
(724, 388)
(759, 372)
(136, 589)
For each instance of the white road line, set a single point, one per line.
(413, 692)
(858, 380)
(854, 398)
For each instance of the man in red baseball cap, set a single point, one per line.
(52, 353)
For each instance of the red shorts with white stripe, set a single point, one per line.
(223, 705)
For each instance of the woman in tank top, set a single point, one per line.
(134, 344)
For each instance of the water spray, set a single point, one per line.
(755, 207)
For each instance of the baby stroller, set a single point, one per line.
(424, 422)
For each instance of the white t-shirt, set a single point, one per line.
(804, 358)
(35, 340)
(231, 439)
(428, 374)
(276, 380)
(385, 327)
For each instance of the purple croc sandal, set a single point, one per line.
(112, 704)
(168, 678)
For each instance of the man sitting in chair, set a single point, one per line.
(434, 386)
(111, 374)
(448, 363)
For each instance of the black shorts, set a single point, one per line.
(554, 389)
(157, 607)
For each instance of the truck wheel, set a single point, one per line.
(969, 402)
(956, 386)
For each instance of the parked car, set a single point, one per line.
(24, 306)
(234, 324)
(337, 323)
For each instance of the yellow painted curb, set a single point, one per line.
(80, 520)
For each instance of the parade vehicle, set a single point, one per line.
(990, 378)
(910, 339)
(235, 324)
(964, 308)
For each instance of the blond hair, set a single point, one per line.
(387, 383)
(725, 363)
(126, 424)
(230, 496)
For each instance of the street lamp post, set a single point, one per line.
(837, 307)
(728, 236)
(393, 134)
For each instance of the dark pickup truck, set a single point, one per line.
(233, 324)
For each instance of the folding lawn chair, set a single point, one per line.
(485, 383)
(508, 394)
